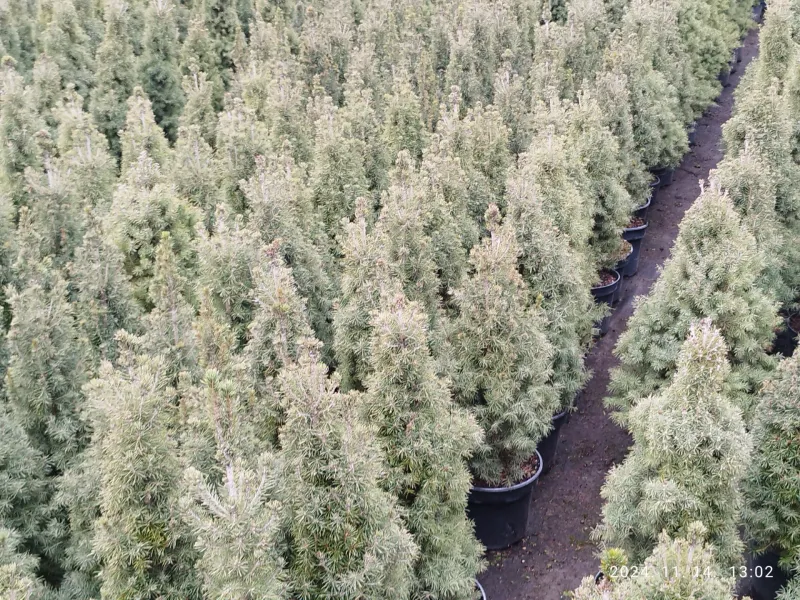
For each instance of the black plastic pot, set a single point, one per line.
(737, 53)
(501, 514)
(604, 294)
(479, 587)
(653, 189)
(664, 175)
(786, 339)
(734, 64)
(765, 576)
(725, 76)
(548, 446)
(758, 12)
(692, 135)
(634, 236)
(641, 212)
(619, 268)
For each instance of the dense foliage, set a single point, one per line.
(279, 278)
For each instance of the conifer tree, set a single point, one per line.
(222, 22)
(345, 538)
(84, 159)
(47, 366)
(679, 567)
(115, 76)
(47, 89)
(713, 272)
(689, 454)
(145, 205)
(66, 42)
(236, 520)
(196, 173)
(425, 441)
(227, 260)
(771, 491)
(17, 32)
(338, 175)
(142, 134)
(145, 546)
(558, 279)
(102, 296)
(158, 66)
(503, 360)
(240, 139)
(20, 123)
(360, 285)
(17, 569)
(24, 487)
(168, 326)
(199, 108)
(198, 54)
(403, 128)
(282, 210)
(279, 326)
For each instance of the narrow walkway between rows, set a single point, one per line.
(558, 551)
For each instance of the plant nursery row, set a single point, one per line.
(296, 296)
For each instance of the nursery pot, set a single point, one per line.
(737, 53)
(734, 64)
(786, 339)
(664, 175)
(620, 267)
(641, 212)
(501, 514)
(548, 446)
(604, 294)
(725, 76)
(758, 12)
(653, 189)
(634, 236)
(479, 587)
(766, 578)
(692, 134)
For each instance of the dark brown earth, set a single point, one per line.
(558, 551)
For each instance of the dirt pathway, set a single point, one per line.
(558, 551)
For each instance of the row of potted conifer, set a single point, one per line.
(713, 412)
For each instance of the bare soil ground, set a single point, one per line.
(558, 552)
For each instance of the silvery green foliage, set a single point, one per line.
(20, 123)
(345, 537)
(503, 361)
(772, 490)
(679, 568)
(115, 76)
(142, 135)
(236, 522)
(689, 456)
(145, 547)
(426, 441)
(545, 260)
(159, 72)
(17, 569)
(275, 337)
(791, 591)
(145, 206)
(66, 42)
(713, 272)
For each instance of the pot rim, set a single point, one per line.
(655, 170)
(789, 322)
(561, 414)
(653, 184)
(480, 589)
(649, 198)
(600, 287)
(516, 486)
(599, 576)
(639, 228)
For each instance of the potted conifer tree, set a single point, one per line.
(680, 567)
(772, 490)
(690, 451)
(503, 363)
(713, 272)
(425, 441)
